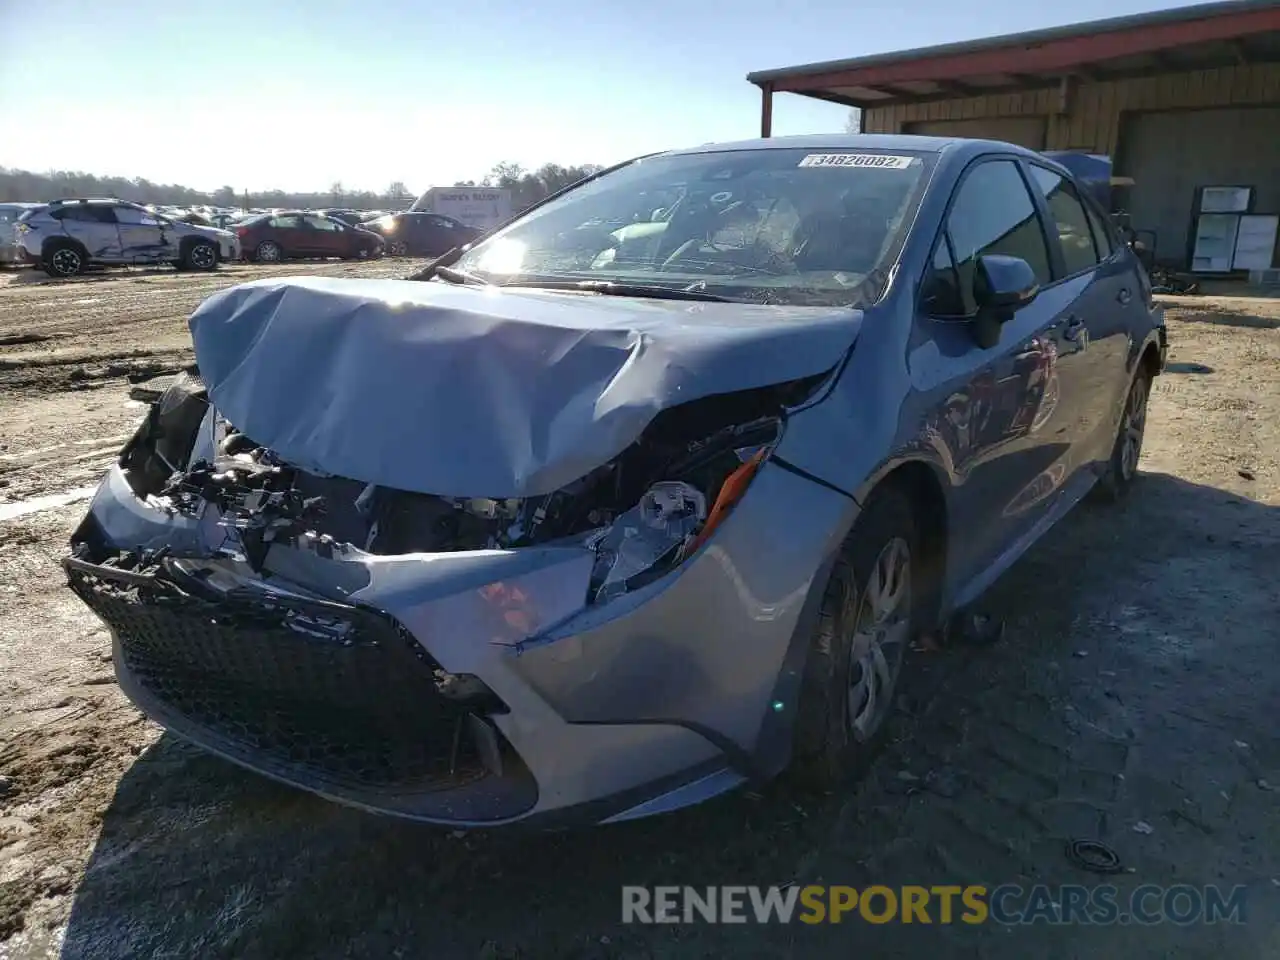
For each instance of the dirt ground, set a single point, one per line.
(1133, 699)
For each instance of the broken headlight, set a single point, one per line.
(164, 440)
(674, 517)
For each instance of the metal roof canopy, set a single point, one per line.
(1165, 41)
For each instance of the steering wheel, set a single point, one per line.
(727, 209)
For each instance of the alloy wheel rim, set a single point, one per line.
(66, 261)
(1135, 423)
(269, 252)
(882, 629)
(202, 256)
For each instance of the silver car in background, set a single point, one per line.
(65, 236)
(10, 252)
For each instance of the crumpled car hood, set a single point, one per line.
(473, 392)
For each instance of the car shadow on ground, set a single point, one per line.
(1230, 318)
(92, 275)
(984, 780)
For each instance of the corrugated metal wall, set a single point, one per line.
(1093, 120)
(1172, 152)
(1026, 132)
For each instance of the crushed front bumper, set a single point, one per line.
(320, 671)
(331, 697)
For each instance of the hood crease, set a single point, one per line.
(474, 392)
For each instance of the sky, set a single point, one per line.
(299, 94)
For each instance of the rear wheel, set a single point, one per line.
(1122, 469)
(856, 653)
(268, 251)
(64, 260)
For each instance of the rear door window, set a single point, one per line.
(84, 213)
(1101, 232)
(1068, 220)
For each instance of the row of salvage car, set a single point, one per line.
(66, 237)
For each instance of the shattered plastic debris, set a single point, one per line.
(666, 516)
(1143, 827)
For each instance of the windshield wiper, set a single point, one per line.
(460, 276)
(446, 259)
(441, 267)
(612, 289)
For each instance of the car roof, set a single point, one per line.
(863, 141)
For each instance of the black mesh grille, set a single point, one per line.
(309, 690)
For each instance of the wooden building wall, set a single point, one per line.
(1092, 118)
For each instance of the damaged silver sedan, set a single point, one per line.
(637, 499)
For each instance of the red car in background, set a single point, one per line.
(273, 237)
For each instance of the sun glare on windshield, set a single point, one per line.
(766, 226)
(502, 255)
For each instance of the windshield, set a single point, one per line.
(785, 226)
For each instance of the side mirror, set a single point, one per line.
(1001, 287)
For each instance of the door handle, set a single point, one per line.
(1124, 296)
(1073, 329)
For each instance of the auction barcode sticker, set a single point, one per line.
(877, 161)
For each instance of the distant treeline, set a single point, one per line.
(24, 185)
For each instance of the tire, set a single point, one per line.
(1122, 468)
(200, 255)
(268, 251)
(838, 729)
(397, 248)
(64, 260)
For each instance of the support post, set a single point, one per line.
(766, 110)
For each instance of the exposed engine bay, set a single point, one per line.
(641, 513)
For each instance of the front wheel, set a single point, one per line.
(857, 650)
(1122, 468)
(200, 256)
(397, 248)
